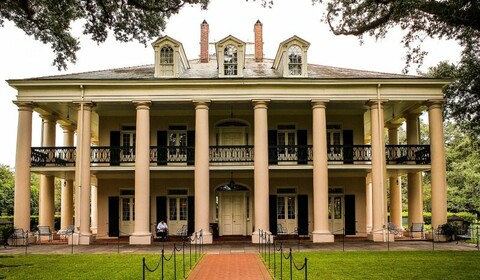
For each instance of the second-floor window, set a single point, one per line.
(287, 141)
(166, 61)
(177, 142)
(295, 61)
(128, 140)
(230, 61)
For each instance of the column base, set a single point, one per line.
(381, 237)
(322, 237)
(256, 236)
(141, 239)
(94, 230)
(80, 239)
(207, 238)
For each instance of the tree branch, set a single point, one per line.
(360, 29)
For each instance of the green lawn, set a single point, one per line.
(111, 266)
(384, 265)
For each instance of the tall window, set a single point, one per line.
(177, 142)
(230, 62)
(128, 141)
(166, 61)
(295, 61)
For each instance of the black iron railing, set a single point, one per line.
(163, 155)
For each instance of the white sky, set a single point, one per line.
(23, 57)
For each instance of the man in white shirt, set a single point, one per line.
(162, 229)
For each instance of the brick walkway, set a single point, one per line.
(231, 266)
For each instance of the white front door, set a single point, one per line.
(177, 214)
(127, 215)
(335, 213)
(232, 214)
(287, 212)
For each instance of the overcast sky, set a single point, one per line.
(23, 57)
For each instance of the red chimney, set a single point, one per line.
(204, 42)
(258, 29)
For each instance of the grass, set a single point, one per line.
(383, 265)
(87, 266)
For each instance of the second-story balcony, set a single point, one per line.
(229, 155)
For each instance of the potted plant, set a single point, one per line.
(449, 230)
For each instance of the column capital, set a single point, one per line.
(393, 126)
(319, 103)
(374, 103)
(24, 105)
(260, 103)
(52, 118)
(142, 104)
(68, 127)
(201, 104)
(87, 105)
(434, 103)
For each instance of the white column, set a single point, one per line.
(82, 174)
(260, 173)
(321, 232)
(379, 212)
(437, 153)
(46, 209)
(202, 171)
(142, 234)
(21, 207)
(66, 211)
(395, 182)
(368, 198)
(415, 193)
(94, 205)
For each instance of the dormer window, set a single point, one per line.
(230, 57)
(230, 61)
(166, 61)
(291, 58)
(295, 61)
(170, 58)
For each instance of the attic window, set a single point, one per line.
(230, 62)
(295, 61)
(166, 61)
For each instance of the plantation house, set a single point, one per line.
(231, 143)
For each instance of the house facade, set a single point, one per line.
(231, 143)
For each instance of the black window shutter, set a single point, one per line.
(350, 225)
(302, 221)
(113, 216)
(161, 208)
(273, 213)
(162, 147)
(191, 147)
(114, 147)
(272, 147)
(302, 147)
(191, 215)
(348, 146)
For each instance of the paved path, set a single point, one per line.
(231, 267)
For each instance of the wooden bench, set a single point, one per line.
(417, 227)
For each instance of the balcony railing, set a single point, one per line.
(294, 154)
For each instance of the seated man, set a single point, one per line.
(162, 229)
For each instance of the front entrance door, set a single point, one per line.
(232, 213)
(127, 215)
(335, 213)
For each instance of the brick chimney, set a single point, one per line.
(258, 29)
(204, 42)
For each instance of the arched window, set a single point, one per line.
(166, 61)
(295, 61)
(230, 62)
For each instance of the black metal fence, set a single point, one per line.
(196, 239)
(273, 254)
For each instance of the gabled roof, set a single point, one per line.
(176, 43)
(282, 45)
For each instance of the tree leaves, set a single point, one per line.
(49, 21)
